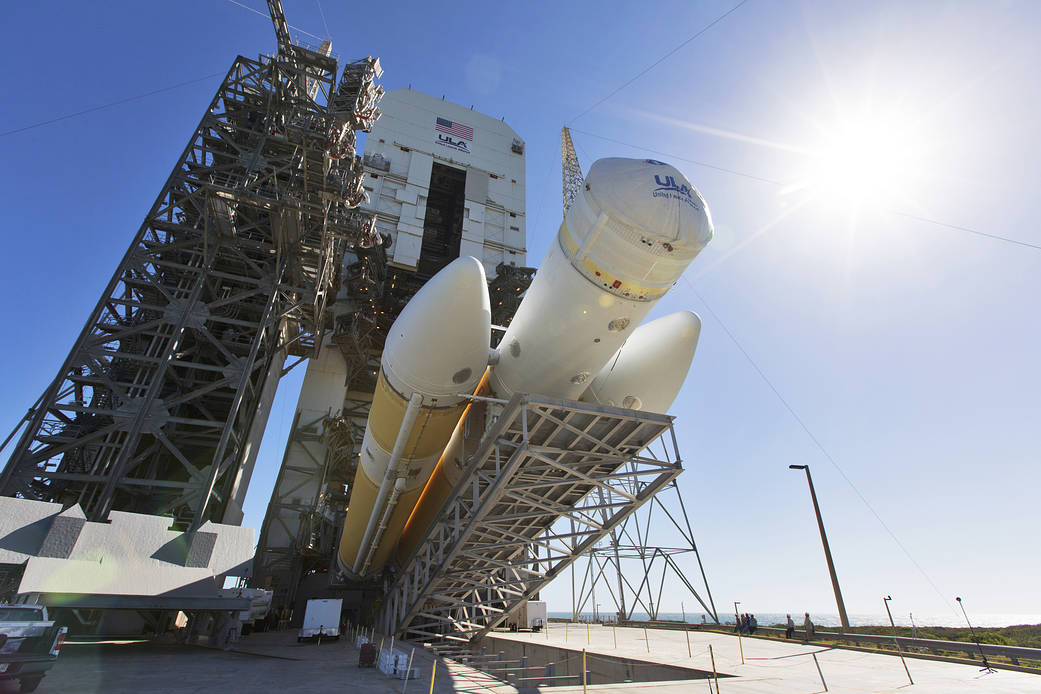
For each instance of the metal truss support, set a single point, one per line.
(160, 406)
(632, 573)
(548, 481)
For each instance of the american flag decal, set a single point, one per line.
(454, 129)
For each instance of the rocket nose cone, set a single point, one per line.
(439, 343)
(647, 372)
(652, 196)
(683, 327)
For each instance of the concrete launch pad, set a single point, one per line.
(770, 667)
(276, 662)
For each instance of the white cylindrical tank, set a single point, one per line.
(647, 372)
(435, 350)
(624, 242)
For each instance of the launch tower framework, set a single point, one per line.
(161, 403)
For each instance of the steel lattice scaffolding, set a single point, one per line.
(161, 404)
(632, 569)
(548, 480)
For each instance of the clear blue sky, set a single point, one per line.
(908, 349)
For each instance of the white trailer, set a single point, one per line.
(321, 620)
(530, 616)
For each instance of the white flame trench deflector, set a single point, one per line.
(549, 479)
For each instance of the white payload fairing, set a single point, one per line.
(624, 242)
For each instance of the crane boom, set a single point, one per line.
(278, 18)
(571, 172)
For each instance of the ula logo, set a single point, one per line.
(667, 188)
(449, 141)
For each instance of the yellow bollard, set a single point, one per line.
(741, 647)
(646, 640)
(433, 671)
(614, 629)
(587, 634)
(583, 671)
(687, 632)
(715, 676)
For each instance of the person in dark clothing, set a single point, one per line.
(789, 628)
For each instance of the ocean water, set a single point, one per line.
(824, 619)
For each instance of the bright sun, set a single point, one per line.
(869, 156)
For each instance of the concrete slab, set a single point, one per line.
(269, 662)
(772, 667)
(265, 662)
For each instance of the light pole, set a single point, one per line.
(827, 550)
(885, 601)
(737, 628)
(986, 665)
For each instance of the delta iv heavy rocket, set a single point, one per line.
(624, 242)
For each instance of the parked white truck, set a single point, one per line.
(321, 620)
(29, 644)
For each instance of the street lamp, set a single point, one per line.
(827, 550)
(885, 601)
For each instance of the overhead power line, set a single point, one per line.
(816, 442)
(267, 16)
(325, 24)
(965, 229)
(679, 158)
(110, 104)
(657, 62)
(774, 182)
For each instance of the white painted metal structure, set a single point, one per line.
(399, 154)
(549, 479)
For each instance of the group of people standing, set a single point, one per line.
(807, 626)
(746, 624)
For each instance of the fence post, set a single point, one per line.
(408, 670)
(687, 632)
(819, 671)
(584, 671)
(715, 675)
